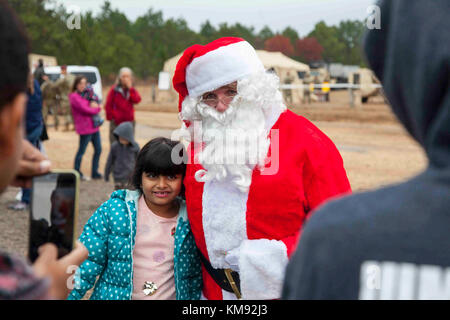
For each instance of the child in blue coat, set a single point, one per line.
(139, 241)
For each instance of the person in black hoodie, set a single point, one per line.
(122, 156)
(392, 243)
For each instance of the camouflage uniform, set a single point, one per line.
(64, 87)
(49, 101)
(288, 92)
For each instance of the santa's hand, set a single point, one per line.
(232, 258)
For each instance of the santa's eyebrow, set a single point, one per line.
(232, 86)
(229, 86)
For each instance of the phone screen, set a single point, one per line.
(52, 212)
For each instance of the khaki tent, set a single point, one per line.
(286, 68)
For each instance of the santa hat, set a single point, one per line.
(206, 68)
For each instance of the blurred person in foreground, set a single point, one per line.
(19, 161)
(120, 102)
(392, 243)
(256, 169)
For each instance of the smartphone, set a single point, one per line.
(53, 211)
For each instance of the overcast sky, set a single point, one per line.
(301, 15)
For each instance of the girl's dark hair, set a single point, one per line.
(156, 157)
(76, 82)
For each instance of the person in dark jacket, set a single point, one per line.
(392, 243)
(122, 156)
(34, 125)
(33, 120)
(120, 101)
(39, 73)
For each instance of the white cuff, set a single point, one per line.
(262, 265)
(232, 258)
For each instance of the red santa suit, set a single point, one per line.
(264, 222)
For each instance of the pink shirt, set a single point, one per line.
(153, 254)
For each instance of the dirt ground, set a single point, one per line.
(376, 151)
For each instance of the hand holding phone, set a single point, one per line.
(33, 163)
(58, 271)
(53, 216)
(53, 212)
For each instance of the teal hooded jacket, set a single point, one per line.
(109, 236)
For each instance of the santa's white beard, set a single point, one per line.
(233, 145)
(236, 140)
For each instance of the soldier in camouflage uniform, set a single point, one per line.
(64, 88)
(49, 100)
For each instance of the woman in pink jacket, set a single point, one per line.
(82, 116)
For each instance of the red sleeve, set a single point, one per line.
(109, 105)
(134, 96)
(324, 178)
(291, 243)
(324, 174)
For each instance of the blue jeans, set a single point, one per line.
(34, 138)
(84, 141)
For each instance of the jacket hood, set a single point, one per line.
(410, 54)
(125, 130)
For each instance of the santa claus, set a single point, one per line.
(256, 169)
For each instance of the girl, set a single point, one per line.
(139, 241)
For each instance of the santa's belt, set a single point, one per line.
(227, 279)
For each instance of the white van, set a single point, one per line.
(91, 73)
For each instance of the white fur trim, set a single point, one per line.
(225, 296)
(273, 116)
(262, 266)
(228, 295)
(220, 67)
(224, 219)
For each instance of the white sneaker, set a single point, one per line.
(18, 206)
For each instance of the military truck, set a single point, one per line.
(340, 72)
(370, 85)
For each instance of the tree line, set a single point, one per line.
(109, 40)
